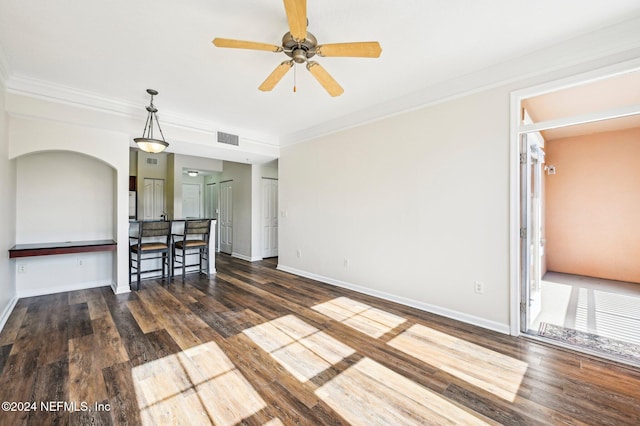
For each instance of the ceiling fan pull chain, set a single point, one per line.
(295, 74)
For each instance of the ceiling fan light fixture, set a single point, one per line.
(147, 142)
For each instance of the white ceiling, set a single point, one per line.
(116, 49)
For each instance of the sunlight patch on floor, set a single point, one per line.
(616, 316)
(489, 370)
(368, 393)
(359, 316)
(556, 299)
(197, 386)
(303, 350)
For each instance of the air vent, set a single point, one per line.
(228, 138)
(153, 161)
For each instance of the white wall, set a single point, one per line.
(63, 196)
(417, 204)
(7, 216)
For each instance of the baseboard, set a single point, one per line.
(7, 311)
(41, 291)
(438, 310)
(247, 258)
(120, 289)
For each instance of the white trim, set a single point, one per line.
(120, 289)
(41, 291)
(7, 312)
(41, 89)
(246, 258)
(448, 313)
(514, 218)
(517, 127)
(590, 117)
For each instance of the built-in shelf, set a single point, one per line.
(67, 247)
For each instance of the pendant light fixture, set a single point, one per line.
(147, 142)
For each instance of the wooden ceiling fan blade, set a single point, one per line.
(325, 79)
(275, 77)
(297, 17)
(362, 49)
(242, 44)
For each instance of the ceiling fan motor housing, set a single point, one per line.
(299, 51)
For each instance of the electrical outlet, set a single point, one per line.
(22, 268)
(478, 287)
(299, 253)
(80, 261)
(346, 263)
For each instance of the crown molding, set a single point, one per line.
(53, 92)
(619, 43)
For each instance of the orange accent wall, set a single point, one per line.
(593, 205)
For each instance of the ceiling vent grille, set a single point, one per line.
(153, 161)
(228, 138)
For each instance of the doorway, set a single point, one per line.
(191, 200)
(578, 304)
(531, 164)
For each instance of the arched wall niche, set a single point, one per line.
(64, 196)
(109, 152)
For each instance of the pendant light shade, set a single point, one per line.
(147, 142)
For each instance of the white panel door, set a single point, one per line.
(158, 199)
(153, 199)
(269, 217)
(226, 217)
(191, 200)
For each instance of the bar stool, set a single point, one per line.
(194, 239)
(154, 237)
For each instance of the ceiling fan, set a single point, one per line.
(301, 46)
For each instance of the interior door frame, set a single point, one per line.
(518, 128)
(264, 180)
(531, 218)
(220, 206)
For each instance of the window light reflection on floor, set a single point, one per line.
(359, 316)
(499, 374)
(303, 350)
(197, 386)
(368, 393)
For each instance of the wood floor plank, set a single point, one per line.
(123, 400)
(253, 345)
(79, 321)
(86, 382)
(12, 326)
(50, 386)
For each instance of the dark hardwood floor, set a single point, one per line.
(254, 345)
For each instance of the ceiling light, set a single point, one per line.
(192, 173)
(147, 142)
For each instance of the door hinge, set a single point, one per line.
(523, 307)
(523, 158)
(523, 232)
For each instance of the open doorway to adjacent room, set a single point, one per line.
(578, 243)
